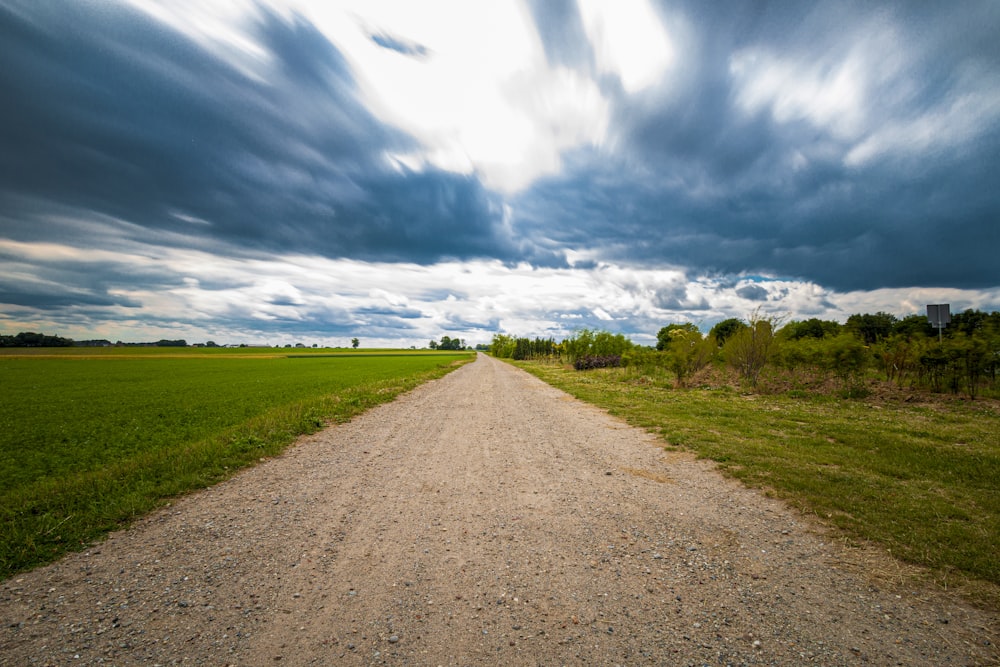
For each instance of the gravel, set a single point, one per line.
(483, 518)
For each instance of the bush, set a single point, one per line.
(688, 352)
(587, 343)
(848, 359)
(603, 361)
(749, 350)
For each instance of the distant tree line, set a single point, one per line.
(448, 343)
(32, 339)
(509, 347)
(904, 351)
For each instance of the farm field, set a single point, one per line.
(91, 438)
(921, 477)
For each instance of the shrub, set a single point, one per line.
(590, 362)
(749, 350)
(688, 352)
(587, 343)
(848, 358)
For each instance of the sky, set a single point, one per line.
(283, 171)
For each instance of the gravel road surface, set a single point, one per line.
(484, 518)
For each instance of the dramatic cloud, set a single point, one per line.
(278, 168)
(153, 130)
(822, 153)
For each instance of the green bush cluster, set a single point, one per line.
(509, 347)
(963, 358)
(586, 343)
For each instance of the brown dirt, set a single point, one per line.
(483, 518)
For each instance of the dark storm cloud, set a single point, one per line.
(109, 113)
(676, 298)
(697, 181)
(752, 292)
(68, 282)
(875, 230)
(55, 297)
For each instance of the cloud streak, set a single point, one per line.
(722, 157)
(157, 132)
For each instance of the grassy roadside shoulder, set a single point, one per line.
(921, 480)
(62, 512)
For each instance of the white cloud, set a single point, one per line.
(866, 92)
(481, 98)
(949, 125)
(843, 82)
(830, 95)
(628, 41)
(293, 298)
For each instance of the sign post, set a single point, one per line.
(939, 316)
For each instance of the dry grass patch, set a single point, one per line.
(648, 474)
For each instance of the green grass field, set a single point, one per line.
(90, 439)
(922, 479)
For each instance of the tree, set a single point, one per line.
(502, 346)
(32, 339)
(914, 325)
(587, 343)
(811, 328)
(355, 342)
(688, 352)
(448, 343)
(967, 361)
(725, 329)
(969, 321)
(665, 336)
(871, 328)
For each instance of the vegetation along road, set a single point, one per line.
(483, 518)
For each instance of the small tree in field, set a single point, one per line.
(355, 342)
(749, 349)
(688, 352)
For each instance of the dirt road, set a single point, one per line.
(485, 518)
